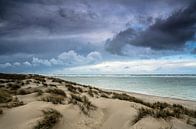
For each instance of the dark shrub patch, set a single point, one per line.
(55, 99)
(5, 96)
(50, 118)
(56, 91)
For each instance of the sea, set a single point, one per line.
(174, 86)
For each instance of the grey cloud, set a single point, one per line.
(165, 34)
(49, 47)
(65, 59)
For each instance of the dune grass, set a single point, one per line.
(39, 92)
(50, 118)
(55, 99)
(14, 103)
(5, 96)
(56, 91)
(83, 102)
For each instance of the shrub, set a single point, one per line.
(22, 92)
(52, 85)
(104, 95)
(50, 118)
(90, 92)
(14, 87)
(55, 99)
(72, 89)
(14, 103)
(76, 97)
(5, 96)
(56, 91)
(39, 92)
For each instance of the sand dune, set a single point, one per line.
(39, 102)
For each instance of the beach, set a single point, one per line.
(43, 102)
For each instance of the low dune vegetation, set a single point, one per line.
(83, 102)
(56, 91)
(19, 90)
(5, 96)
(50, 118)
(55, 99)
(14, 103)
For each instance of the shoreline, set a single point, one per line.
(162, 87)
(136, 93)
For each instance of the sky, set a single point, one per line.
(98, 36)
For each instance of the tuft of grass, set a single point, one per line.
(44, 84)
(39, 92)
(50, 118)
(14, 86)
(14, 103)
(5, 96)
(104, 95)
(90, 92)
(23, 92)
(156, 113)
(55, 99)
(83, 102)
(52, 85)
(56, 91)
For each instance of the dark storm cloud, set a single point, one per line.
(37, 21)
(194, 51)
(171, 33)
(46, 47)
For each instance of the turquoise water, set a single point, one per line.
(175, 86)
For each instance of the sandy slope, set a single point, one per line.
(109, 113)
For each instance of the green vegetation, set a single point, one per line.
(50, 118)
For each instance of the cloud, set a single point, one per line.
(167, 66)
(26, 63)
(194, 51)
(5, 65)
(171, 33)
(65, 59)
(68, 59)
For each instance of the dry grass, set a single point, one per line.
(39, 92)
(5, 96)
(50, 118)
(55, 99)
(104, 95)
(83, 102)
(14, 103)
(23, 92)
(74, 89)
(56, 91)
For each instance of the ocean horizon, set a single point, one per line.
(179, 86)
